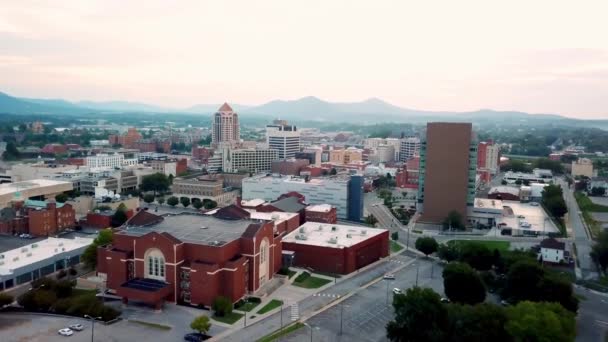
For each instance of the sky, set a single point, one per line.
(534, 56)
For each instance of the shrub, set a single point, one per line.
(44, 299)
(222, 306)
(62, 274)
(303, 276)
(5, 299)
(62, 305)
(63, 288)
(73, 271)
(27, 301)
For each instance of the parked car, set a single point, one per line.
(444, 300)
(76, 327)
(534, 204)
(397, 291)
(196, 337)
(389, 277)
(65, 332)
(521, 216)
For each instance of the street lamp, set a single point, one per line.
(92, 324)
(311, 329)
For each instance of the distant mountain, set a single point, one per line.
(309, 108)
(14, 105)
(123, 106)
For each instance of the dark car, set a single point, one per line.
(196, 337)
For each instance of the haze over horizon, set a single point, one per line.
(430, 56)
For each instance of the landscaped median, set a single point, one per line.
(395, 247)
(282, 332)
(307, 281)
(490, 244)
(273, 304)
(151, 325)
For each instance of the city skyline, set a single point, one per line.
(453, 57)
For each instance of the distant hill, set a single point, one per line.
(309, 108)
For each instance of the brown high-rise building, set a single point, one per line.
(448, 162)
(225, 126)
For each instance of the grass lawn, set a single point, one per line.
(395, 247)
(79, 292)
(492, 245)
(308, 281)
(275, 303)
(229, 318)
(151, 325)
(291, 274)
(279, 333)
(247, 306)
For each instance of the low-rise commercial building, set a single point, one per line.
(582, 167)
(322, 213)
(339, 249)
(37, 218)
(32, 189)
(39, 259)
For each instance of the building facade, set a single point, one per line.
(409, 148)
(251, 160)
(171, 258)
(448, 166)
(582, 167)
(225, 126)
(283, 138)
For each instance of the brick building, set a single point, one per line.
(201, 153)
(408, 176)
(289, 166)
(38, 218)
(190, 258)
(336, 248)
(323, 213)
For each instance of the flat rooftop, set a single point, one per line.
(331, 235)
(275, 216)
(38, 251)
(252, 202)
(321, 208)
(534, 215)
(9, 188)
(194, 228)
(296, 179)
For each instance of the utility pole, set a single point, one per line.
(417, 271)
(341, 314)
(407, 244)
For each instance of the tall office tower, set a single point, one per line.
(410, 146)
(448, 164)
(225, 126)
(284, 138)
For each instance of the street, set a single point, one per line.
(592, 319)
(581, 238)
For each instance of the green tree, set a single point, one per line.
(5, 299)
(371, 220)
(201, 324)
(89, 256)
(462, 284)
(481, 322)
(197, 204)
(476, 255)
(419, 316)
(540, 322)
(172, 201)
(157, 182)
(44, 299)
(120, 216)
(185, 201)
(427, 245)
(61, 198)
(453, 221)
(11, 152)
(160, 200)
(148, 198)
(523, 281)
(222, 306)
(395, 236)
(448, 252)
(210, 205)
(598, 191)
(599, 250)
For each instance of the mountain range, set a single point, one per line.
(305, 109)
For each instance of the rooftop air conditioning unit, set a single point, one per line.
(302, 230)
(28, 255)
(334, 228)
(320, 228)
(333, 240)
(364, 232)
(348, 236)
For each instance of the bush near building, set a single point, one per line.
(48, 295)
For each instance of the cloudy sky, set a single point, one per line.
(536, 56)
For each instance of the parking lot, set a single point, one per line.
(364, 315)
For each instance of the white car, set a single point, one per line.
(389, 277)
(534, 204)
(76, 327)
(397, 291)
(65, 332)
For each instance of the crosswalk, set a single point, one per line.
(295, 312)
(396, 261)
(330, 295)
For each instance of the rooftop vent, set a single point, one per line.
(364, 232)
(302, 230)
(1, 256)
(301, 237)
(24, 249)
(348, 236)
(334, 228)
(16, 258)
(320, 228)
(28, 255)
(333, 240)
